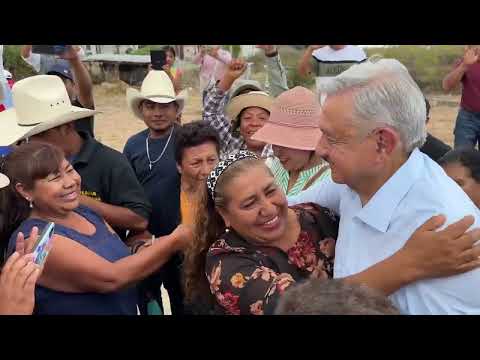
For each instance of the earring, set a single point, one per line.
(31, 202)
(227, 230)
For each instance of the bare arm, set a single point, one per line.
(304, 66)
(275, 70)
(71, 267)
(116, 216)
(81, 77)
(454, 78)
(427, 254)
(26, 51)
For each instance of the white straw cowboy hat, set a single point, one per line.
(40, 103)
(4, 181)
(251, 99)
(156, 87)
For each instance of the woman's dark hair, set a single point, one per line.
(208, 228)
(469, 158)
(26, 164)
(171, 49)
(194, 134)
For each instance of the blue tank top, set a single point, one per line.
(104, 244)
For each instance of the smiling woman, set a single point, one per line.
(250, 247)
(89, 270)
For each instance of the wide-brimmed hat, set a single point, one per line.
(156, 87)
(293, 121)
(244, 84)
(252, 99)
(40, 103)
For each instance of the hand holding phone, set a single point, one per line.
(158, 59)
(43, 245)
(50, 49)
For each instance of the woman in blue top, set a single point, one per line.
(89, 269)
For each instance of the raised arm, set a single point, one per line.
(305, 66)
(81, 77)
(276, 72)
(455, 76)
(216, 99)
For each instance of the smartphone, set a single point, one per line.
(158, 59)
(49, 49)
(43, 244)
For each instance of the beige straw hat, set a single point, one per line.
(40, 103)
(252, 99)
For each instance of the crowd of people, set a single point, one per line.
(277, 201)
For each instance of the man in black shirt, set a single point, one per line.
(151, 153)
(433, 147)
(109, 185)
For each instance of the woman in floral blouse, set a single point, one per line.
(250, 246)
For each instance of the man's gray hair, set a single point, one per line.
(384, 93)
(333, 297)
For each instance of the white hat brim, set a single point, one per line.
(4, 181)
(11, 132)
(134, 98)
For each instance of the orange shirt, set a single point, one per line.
(187, 209)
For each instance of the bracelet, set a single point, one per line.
(136, 245)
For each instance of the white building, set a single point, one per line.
(107, 49)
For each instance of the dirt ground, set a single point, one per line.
(116, 123)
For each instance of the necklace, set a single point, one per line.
(150, 162)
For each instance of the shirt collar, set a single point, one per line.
(379, 210)
(87, 150)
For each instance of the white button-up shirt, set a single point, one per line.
(369, 234)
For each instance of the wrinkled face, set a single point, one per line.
(58, 192)
(292, 159)
(159, 117)
(350, 155)
(197, 163)
(252, 119)
(257, 208)
(463, 177)
(170, 58)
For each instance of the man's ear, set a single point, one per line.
(387, 140)
(179, 169)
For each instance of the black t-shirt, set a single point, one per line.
(107, 176)
(86, 124)
(434, 148)
(161, 183)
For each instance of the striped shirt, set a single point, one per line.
(282, 176)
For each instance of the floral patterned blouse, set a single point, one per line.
(248, 279)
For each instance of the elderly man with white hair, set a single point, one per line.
(382, 186)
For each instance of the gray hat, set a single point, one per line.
(243, 84)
